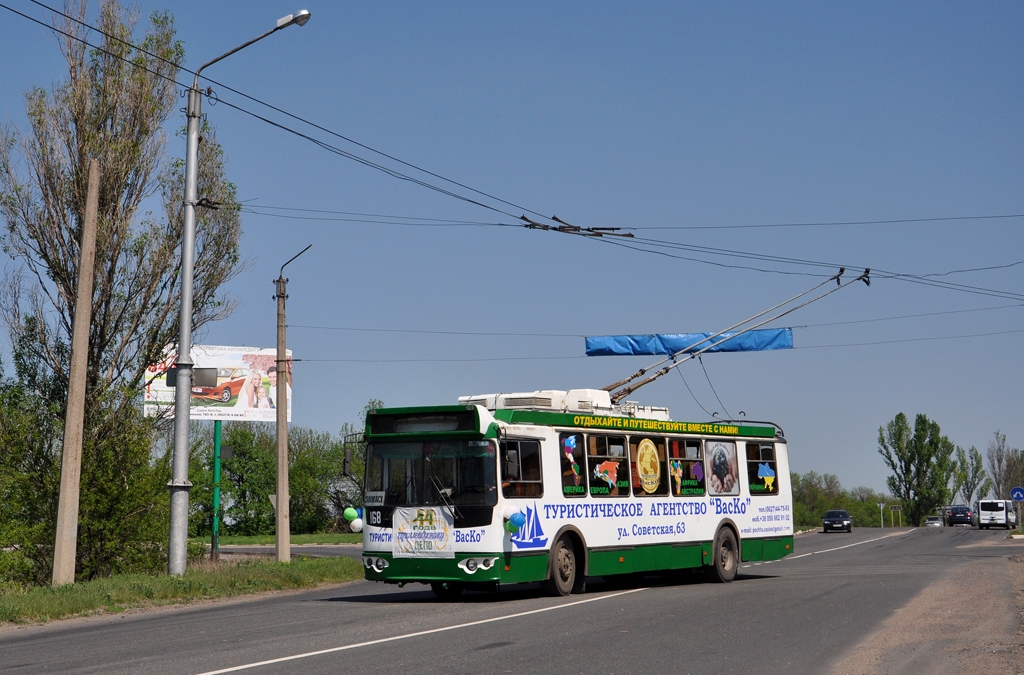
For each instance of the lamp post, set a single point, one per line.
(180, 485)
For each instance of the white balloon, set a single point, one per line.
(356, 525)
(509, 511)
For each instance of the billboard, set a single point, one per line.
(245, 386)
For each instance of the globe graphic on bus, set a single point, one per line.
(719, 464)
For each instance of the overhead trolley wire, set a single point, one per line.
(646, 246)
(327, 146)
(618, 395)
(894, 221)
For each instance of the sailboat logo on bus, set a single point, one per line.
(531, 535)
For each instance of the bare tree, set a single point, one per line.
(1005, 466)
(969, 477)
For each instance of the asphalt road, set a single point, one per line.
(801, 614)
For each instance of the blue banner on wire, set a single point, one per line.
(666, 345)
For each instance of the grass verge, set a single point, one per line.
(201, 582)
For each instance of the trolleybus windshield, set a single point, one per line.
(429, 473)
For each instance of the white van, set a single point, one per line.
(999, 512)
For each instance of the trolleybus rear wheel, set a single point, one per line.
(725, 557)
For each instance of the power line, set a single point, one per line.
(687, 385)
(924, 339)
(566, 358)
(905, 316)
(482, 360)
(646, 246)
(831, 223)
(384, 220)
(580, 335)
(880, 274)
(324, 145)
(372, 218)
(439, 332)
(708, 377)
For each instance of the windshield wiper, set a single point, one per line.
(444, 493)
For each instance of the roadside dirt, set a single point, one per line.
(972, 622)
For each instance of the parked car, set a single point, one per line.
(933, 521)
(959, 515)
(837, 520)
(229, 384)
(996, 512)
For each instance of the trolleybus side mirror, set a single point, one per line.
(511, 464)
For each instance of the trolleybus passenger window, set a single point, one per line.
(721, 468)
(574, 475)
(647, 462)
(685, 468)
(761, 469)
(607, 466)
(520, 469)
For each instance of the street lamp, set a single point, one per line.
(180, 485)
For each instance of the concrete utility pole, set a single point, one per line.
(283, 538)
(180, 485)
(66, 542)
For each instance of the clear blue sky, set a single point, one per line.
(656, 117)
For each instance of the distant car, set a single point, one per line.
(229, 384)
(996, 513)
(837, 520)
(933, 521)
(959, 515)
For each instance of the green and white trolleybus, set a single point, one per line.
(558, 486)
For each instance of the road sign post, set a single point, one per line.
(1017, 495)
(898, 509)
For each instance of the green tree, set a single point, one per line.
(921, 464)
(29, 449)
(112, 106)
(348, 489)
(249, 477)
(814, 494)
(314, 461)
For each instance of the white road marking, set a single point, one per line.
(837, 548)
(412, 635)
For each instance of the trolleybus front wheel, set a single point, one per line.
(563, 569)
(725, 557)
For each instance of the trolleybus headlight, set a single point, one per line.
(470, 565)
(378, 564)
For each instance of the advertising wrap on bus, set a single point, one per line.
(470, 496)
